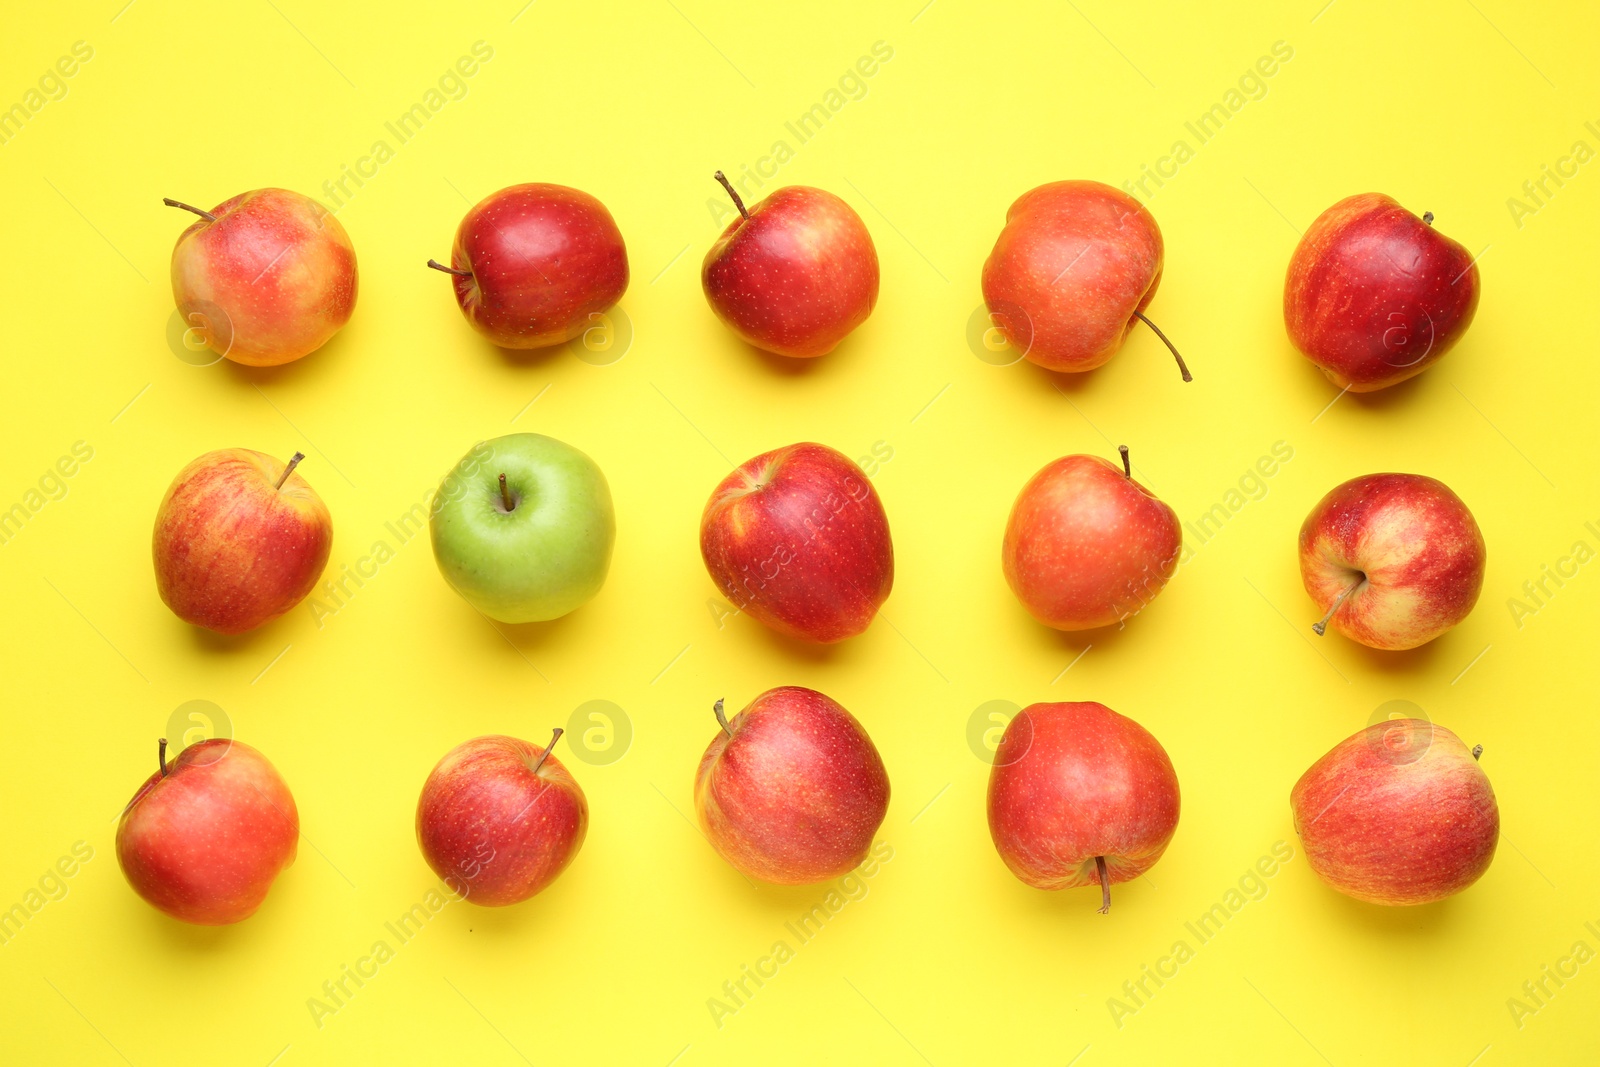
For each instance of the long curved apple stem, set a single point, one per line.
(457, 271)
(553, 739)
(1320, 628)
(294, 461)
(721, 718)
(1477, 750)
(1127, 467)
(726, 184)
(161, 754)
(1182, 366)
(208, 216)
(1427, 217)
(505, 494)
(1105, 884)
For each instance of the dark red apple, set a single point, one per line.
(1086, 545)
(1394, 560)
(797, 538)
(499, 819)
(1071, 274)
(791, 790)
(1376, 295)
(537, 264)
(1079, 795)
(794, 274)
(206, 835)
(1397, 813)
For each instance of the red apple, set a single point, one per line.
(205, 836)
(1079, 795)
(537, 264)
(1394, 560)
(1376, 295)
(797, 538)
(1398, 813)
(240, 539)
(1071, 274)
(1088, 546)
(267, 277)
(794, 274)
(791, 790)
(499, 819)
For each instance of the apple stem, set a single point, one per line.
(553, 739)
(457, 271)
(1105, 884)
(721, 718)
(161, 754)
(1427, 217)
(505, 494)
(1127, 467)
(1477, 750)
(1182, 366)
(208, 216)
(726, 184)
(1320, 628)
(294, 461)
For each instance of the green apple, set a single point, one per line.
(523, 528)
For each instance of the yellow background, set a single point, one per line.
(947, 959)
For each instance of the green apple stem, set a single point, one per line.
(161, 755)
(726, 184)
(553, 739)
(1105, 884)
(1477, 750)
(1182, 366)
(505, 495)
(294, 461)
(1127, 467)
(1427, 217)
(1320, 628)
(457, 271)
(208, 216)
(721, 718)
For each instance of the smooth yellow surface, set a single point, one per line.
(946, 958)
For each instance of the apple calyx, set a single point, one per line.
(161, 754)
(505, 495)
(288, 469)
(546, 755)
(726, 184)
(716, 710)
(1127, 467)
(1105, 885)
(1320, 628)
(1477, 750)
(208, 216)
(1182, 366)
(457, 271)
(1427, 217)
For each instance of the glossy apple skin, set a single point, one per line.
(1417, 546)
(1075, 260)
(797, 538)
(796, 795)
(1397, 813)
(546, 261)
(280, 268)
(1087, 546)
(204, 842)
(1375, 295)
(796, 276)
(547, 556)
(1074, 781)
(232, 552)
(494, 830)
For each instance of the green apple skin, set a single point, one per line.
(546, 556)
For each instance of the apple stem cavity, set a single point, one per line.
(161, 754)
(1105, 884)
(1182, 366)
(1427, 217)
(553, 739)
(294, 461)
(726, 184)
(1477, 750)
(716, 709)
(505, 495)
(1320, 628)
(457, 271)
(1127, 467)
(208, 216)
